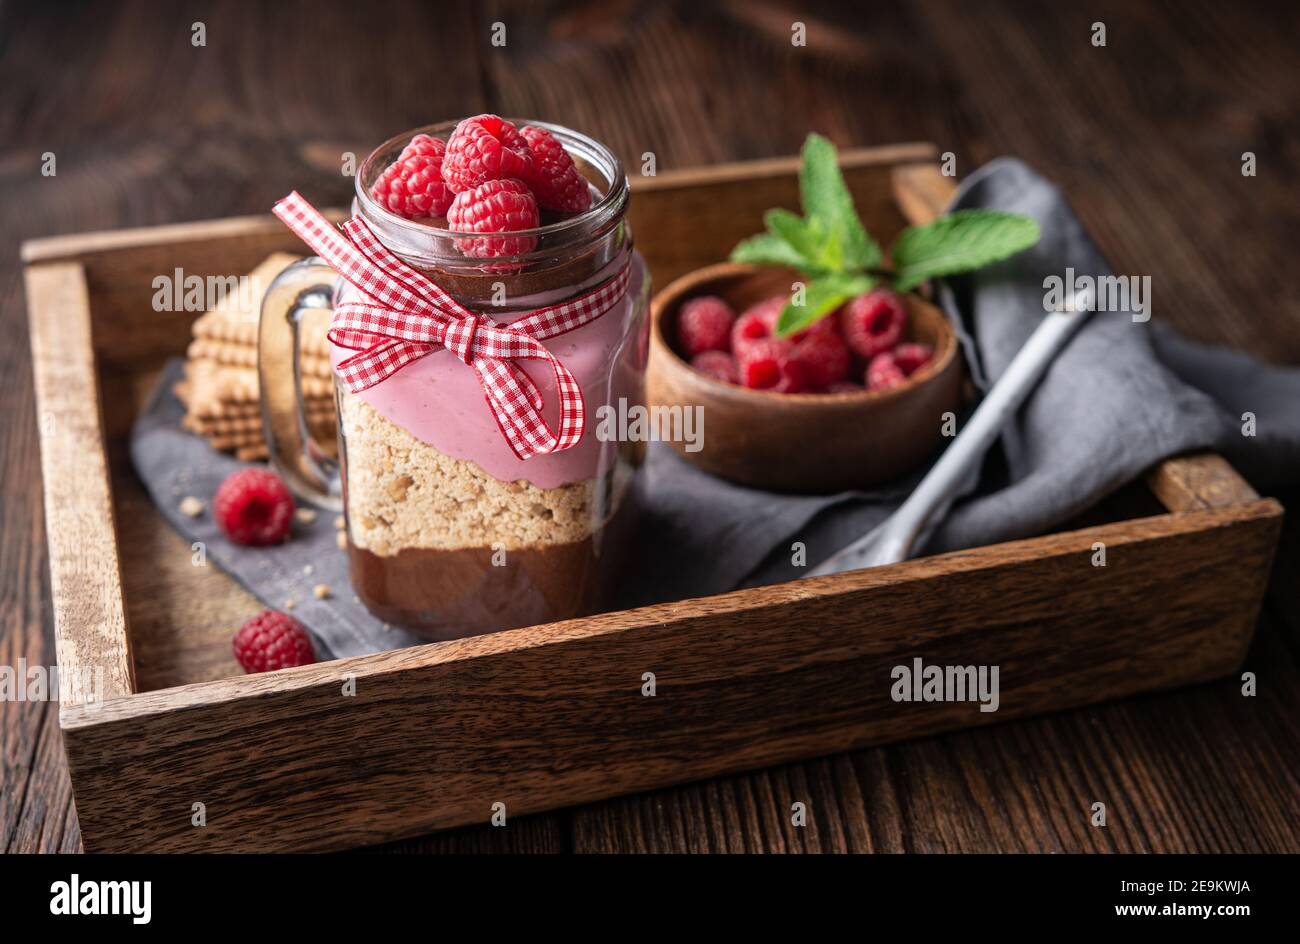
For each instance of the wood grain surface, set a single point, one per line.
(1145, 138)
(85, 574)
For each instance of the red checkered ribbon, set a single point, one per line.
(406, 316)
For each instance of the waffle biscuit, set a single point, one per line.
(236, 440)
(213, 383)
(314, 407)
(220, 425)
(229, 354)
(220, 387)
(236, 323)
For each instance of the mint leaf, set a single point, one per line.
(795, 231)
(860, 250)
(959, 242)
(767, 249)
(821, 296)
(832, 248)
(826, 199)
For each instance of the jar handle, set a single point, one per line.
(308, 468)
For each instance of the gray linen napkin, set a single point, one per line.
(1121, 397)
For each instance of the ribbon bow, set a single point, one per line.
(406, 316)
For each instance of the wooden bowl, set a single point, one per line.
(806, 442)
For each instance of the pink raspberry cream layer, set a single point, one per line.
(440, 401)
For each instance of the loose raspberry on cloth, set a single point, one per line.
(253, 507)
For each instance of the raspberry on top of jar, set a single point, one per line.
(489, 178)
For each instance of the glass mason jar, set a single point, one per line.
(449, 533)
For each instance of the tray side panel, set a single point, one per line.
(553, 716)
(1204, 480)
(85, 580)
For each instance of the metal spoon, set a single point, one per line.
(893, 539)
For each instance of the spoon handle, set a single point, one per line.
(894, 540)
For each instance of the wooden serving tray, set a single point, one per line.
(553, 715)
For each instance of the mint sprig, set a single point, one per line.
(831, 247)
(768, 249)
(959, 242)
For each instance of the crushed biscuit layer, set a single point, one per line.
(403, 493)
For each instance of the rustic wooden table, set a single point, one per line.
(1147, 133)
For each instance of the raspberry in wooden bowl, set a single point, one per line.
(777, 436)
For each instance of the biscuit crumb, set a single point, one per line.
(339, 523)
(307, 571)
(289, 604)
(397, 487)
(191, 507)
(342, 538)
(305, 515)
(321, 591)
